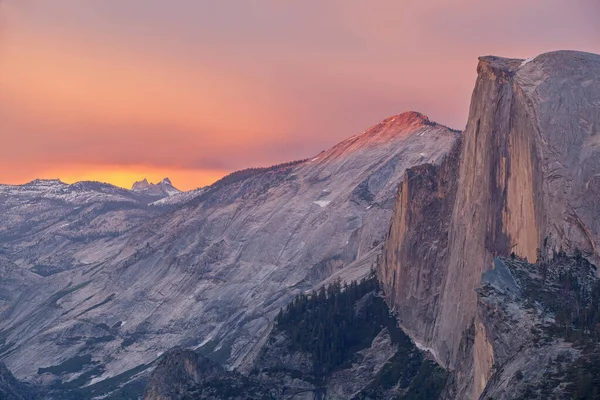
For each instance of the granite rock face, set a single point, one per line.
(44, 224)
(162, 189)
(534, 356)
(527, 177)
(209, 273)
(184, 374)
(416, 247)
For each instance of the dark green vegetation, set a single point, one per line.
(334, 323)
(326, 324)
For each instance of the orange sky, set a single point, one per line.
(193, 89)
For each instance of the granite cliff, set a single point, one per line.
(90, 313)
(526, 182)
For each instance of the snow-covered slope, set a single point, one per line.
(212, 273)
(178, 198)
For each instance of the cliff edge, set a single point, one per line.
(526, 182)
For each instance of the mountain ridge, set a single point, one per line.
(162, 189)
(469, 214)
(209, 273)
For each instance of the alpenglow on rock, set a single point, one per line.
(528, 178)
(212, 273)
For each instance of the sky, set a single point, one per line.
(119, 90)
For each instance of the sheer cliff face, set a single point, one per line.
(417, 245)
(528, 178)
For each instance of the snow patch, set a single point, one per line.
(322, 203)
(314, 159)
(208, 339)
(527, 61)
(96, 380)
(422, 154)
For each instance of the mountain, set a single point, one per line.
(161, 189)
(525, 182)
(484, 247)
(45, 223)
(210, 273)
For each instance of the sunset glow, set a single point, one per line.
(117, 91)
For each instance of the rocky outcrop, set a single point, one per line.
(529, 168)
(184, 374)
(159, 190)
(522, 310)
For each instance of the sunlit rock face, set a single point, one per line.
(211, 272)
(527, 179)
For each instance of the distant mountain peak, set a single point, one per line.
(394, 128)
(45, 182)
(164, 187)
(140, 185)
(400, 124)
(409, 118)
